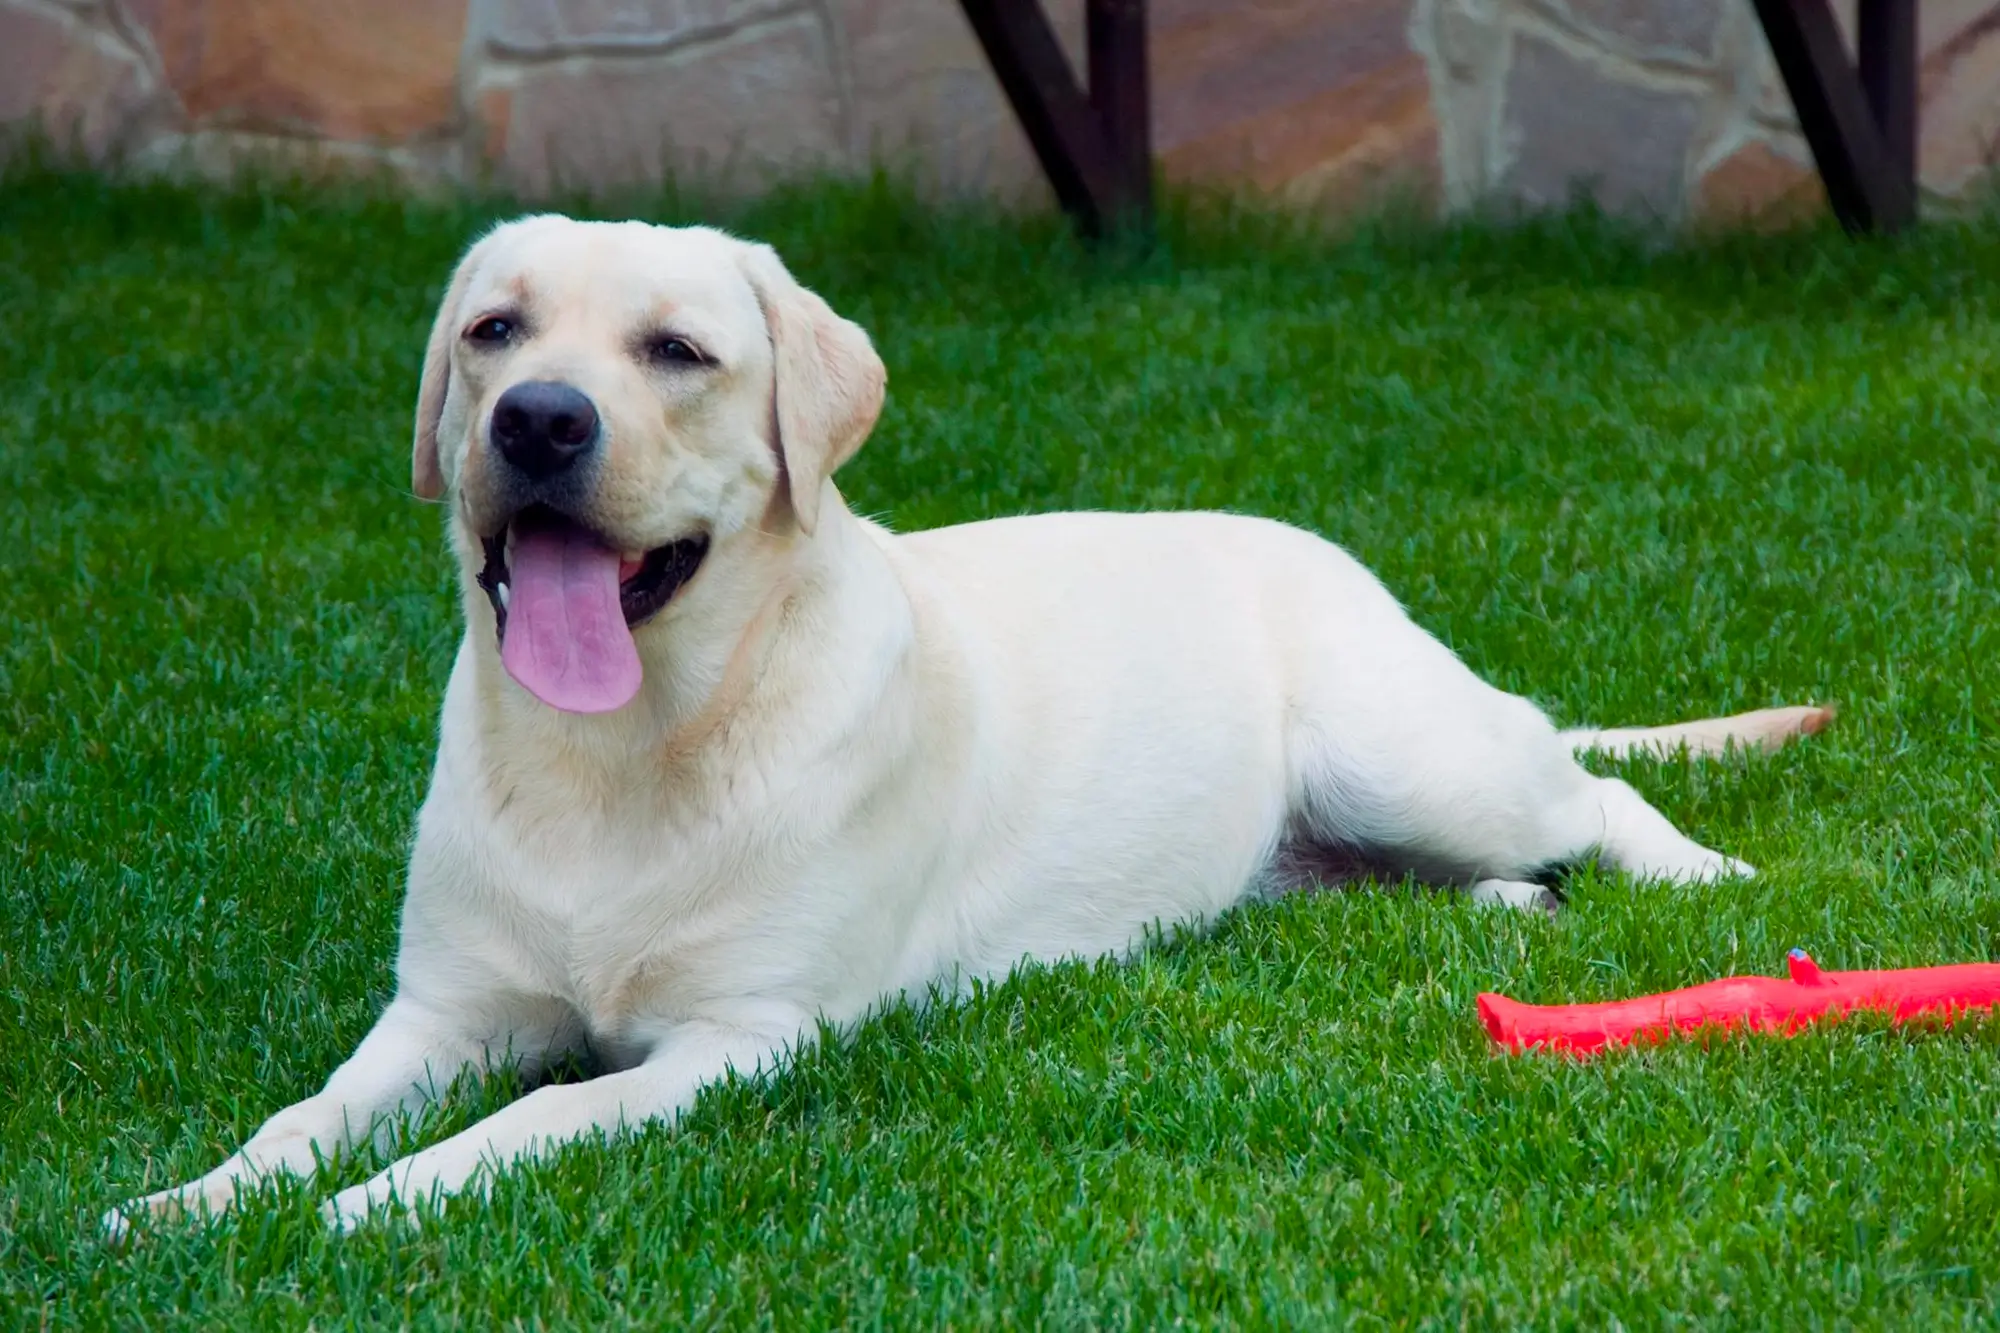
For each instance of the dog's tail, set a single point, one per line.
(1764, 729)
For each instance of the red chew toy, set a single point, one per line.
(1759, 1003)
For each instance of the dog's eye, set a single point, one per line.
(679, 351)
(490, 331)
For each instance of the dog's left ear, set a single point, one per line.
(426, 473)
(828, 382)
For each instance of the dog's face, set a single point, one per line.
(607, 405)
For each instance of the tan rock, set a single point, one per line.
(555, 27)
(1395, 155)
(492, 109)
(1757, 185)
(1958, 120)
(365, 70)
(1685, 29)
(1576, 125)
(222, 154)
(925, 99)
(75, 83)
(739, 113)
(1465, 46)
(1314, 101)
(1940, 23)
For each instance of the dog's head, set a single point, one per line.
(607, 405)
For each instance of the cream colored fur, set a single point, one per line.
(863, 766)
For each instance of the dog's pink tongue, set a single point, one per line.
(566, 641)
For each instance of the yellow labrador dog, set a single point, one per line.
(720, 759)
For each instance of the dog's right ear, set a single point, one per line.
(827, 381)
(426, 473)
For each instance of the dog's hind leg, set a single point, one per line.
(1480, 790)
(1634, 837)
(1606, 815)
(1516, 894)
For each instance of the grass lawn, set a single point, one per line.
(1635, 483)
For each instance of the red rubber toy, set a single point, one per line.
(1760, 1004)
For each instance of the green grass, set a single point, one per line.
(1634, 481)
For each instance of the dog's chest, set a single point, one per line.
(633, 921)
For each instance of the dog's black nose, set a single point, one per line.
(542, 426)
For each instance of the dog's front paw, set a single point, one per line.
(348, 1211)
(391, 1195)
(208, 1197)
(117, 1224)
(352, 1209)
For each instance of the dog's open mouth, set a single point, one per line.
(565, 601)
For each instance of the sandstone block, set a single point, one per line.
(1572, 124)
(925, 99)
(1680, 28)
(1313, 101)
(1758, 185)
(381, 71)
(554, 27)
(77, 84)
(738, 112)
(1958, 116)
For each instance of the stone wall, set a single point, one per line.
(1665, 106)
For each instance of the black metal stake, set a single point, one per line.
(1859, 118)
(1095, 146)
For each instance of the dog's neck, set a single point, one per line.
(750, 628)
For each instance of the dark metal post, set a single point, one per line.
(1033, 72)
(1116, 35)
(1095, 145)
(1870, 178)
(1886, 57)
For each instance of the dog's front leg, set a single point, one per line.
(692, 1056)
(410, 1056)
